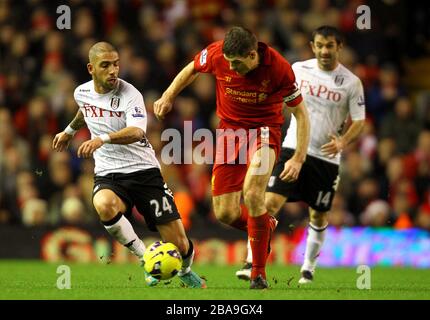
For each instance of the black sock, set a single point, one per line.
(190, 250)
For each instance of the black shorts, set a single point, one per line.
(144, 189)
(316, 184)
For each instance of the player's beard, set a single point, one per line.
(327, 62)
(105, 83)
(242, 71)
(109, 85)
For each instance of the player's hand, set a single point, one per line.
(87, 148)
(291, 170)
(61, 141)
(162, 107)
(332, 148)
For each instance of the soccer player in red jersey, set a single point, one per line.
(252, 82)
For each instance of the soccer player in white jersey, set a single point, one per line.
(332, 93)
(127, 173)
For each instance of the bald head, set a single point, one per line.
(98, 49)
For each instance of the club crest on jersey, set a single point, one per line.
(138, 113)
(114, 103)
(338, 80)
(265, 83)
(262, 96)
(203, 57)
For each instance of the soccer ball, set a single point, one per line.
(162, 260)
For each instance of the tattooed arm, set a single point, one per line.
(78, 121)
(62, 139)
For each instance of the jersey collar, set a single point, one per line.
(263, 51)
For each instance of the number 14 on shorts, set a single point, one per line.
(323, 198)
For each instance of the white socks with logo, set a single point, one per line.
(122, 230)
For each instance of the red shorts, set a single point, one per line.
(234, 150)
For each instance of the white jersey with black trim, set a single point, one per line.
(329, 97)
(110, 112)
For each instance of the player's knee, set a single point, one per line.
(106, 207)
(226, 214)
(254, 200)
(318, 219)
(272, 206)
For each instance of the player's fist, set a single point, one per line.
(87, 148)
(61, 141)
(162, 107)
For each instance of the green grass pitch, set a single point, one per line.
(24, 279)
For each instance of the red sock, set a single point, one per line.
(258, 233)
(241, 223)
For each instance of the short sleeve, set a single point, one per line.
(76, 96)
(203, 60)
(357, 107)
(136, 112)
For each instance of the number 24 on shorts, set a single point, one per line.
(165, 204)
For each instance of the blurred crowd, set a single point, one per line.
(385, 175)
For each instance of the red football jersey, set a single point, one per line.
(255, 99)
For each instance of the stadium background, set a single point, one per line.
(381, 213)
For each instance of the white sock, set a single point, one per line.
(314, 243)
(249, 254)
(188, 261)
(123, 231)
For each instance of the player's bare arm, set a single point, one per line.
(124, 136)
(62, 140)
(164, 105)
(293, 166)
(338, 143)
(78, 121)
